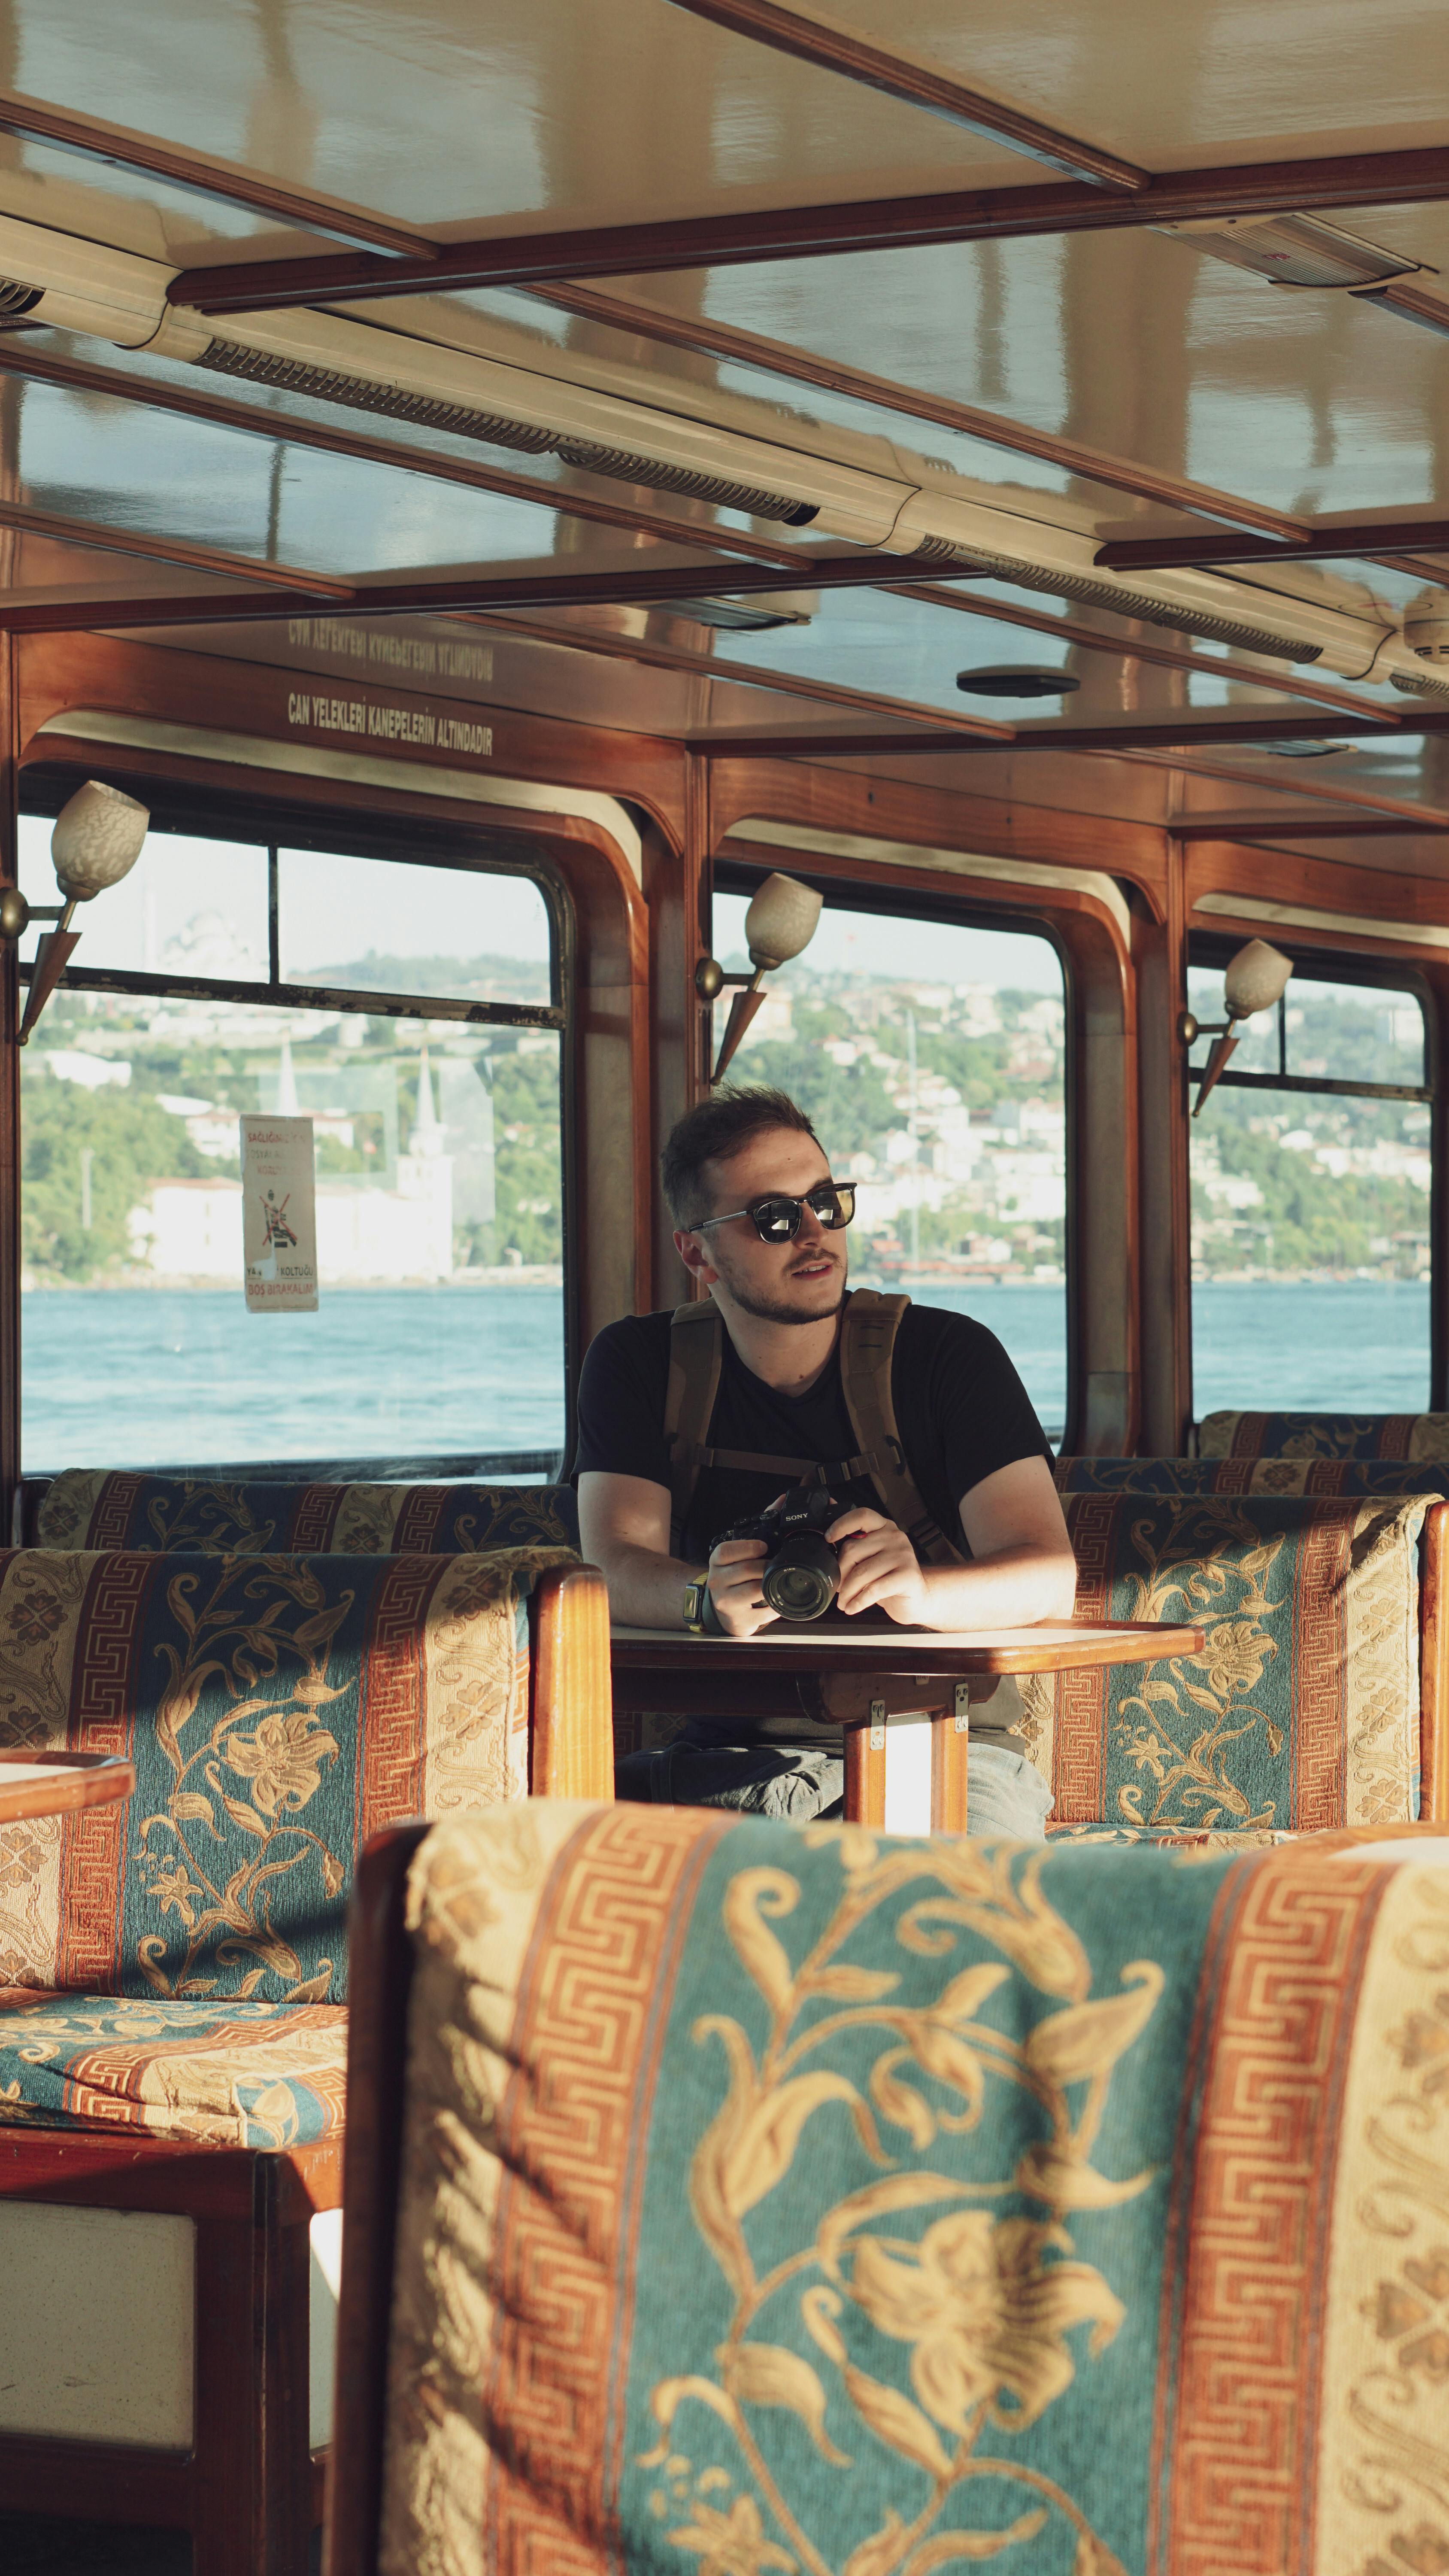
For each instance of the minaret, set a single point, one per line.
(427, 1138)
(287, 1102)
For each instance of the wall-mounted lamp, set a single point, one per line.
(780, 922)
(98, 837)
(1255, 980)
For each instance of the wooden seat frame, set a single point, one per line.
(251, 2490)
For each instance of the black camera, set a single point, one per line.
(801, 1573)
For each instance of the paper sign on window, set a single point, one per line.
(279, 1215)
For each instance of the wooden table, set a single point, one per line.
(665, 1670)
(56, 1784)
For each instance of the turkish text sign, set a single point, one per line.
(279, 1216)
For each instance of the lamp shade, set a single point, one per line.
(1255, 979)
(781, 920)
(98, 837)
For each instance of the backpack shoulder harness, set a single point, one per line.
(867, 1348)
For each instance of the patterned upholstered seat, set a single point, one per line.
(234, 2074)
(1252, 1475)
(88, 1507)
(1303, 1709)
(780, 2198)
(1416, 1436)
(279, 1710)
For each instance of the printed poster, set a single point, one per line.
(279, 1216)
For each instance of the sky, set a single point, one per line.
(879, 943)
(332, 910)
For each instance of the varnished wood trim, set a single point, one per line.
(34, 120)
(1321, 544)
(713, 339)
(18, 359)
(108, 540)
(815, 232)
(10, 1135)
(380, 1979)
(932, 739)
(572, 1733)
(645, 585)
(1308, 827)
(96, 2481)
(832, 49)
(1434, 1666)
(949, 1747)
(865, 1779)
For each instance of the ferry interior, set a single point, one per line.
(561, 560)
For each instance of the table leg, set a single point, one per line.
(865, 1770)
(950, 1737)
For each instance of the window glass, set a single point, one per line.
(930, 1058)
(383, 925)
(1310, 1208)
(188, 907)
(439, 1330)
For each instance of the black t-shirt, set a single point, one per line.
(961, 1409)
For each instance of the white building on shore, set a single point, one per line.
(192, 1230)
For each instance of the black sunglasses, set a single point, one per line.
(778, 1220)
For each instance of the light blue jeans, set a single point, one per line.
(708, 1766)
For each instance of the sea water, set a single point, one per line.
(143, 1377)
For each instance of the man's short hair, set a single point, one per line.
(710, 1133)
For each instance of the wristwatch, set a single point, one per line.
(696, 1596)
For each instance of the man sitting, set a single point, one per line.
(760, 1224)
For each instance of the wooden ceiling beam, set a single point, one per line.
(31, 120)
(1322, 827)
(832, 49)
(103, 539)
(477, 594)
(820, 232)
(1323, 544)
(932, 742)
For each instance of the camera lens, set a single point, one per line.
(802, 1580)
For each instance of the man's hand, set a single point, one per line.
(879, 1568)
(734, 1587)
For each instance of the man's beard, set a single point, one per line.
(767, 1310)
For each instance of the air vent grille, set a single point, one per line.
(1415, 686)
(1122, 603)
(327, 386)
(17, 298)
(618, 462)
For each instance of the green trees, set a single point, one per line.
(132, 1142)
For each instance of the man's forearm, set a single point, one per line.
(646, 1590)
(1012, 1589)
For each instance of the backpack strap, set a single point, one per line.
(867, 1347)
(696, 1355)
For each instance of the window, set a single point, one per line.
(930, 1056)
(414, 1011)
(1311, 1171)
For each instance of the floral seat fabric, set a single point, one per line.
(1302, 1710)
(87, 1507)
(1251, 1475)
(1417, 1436)
(786, 2198)
(235, 2074)
(278, 1710)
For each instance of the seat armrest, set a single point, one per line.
(571, 1730)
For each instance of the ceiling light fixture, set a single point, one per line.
(1295, 250)
(1016, 680)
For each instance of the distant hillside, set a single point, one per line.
(483, 979)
